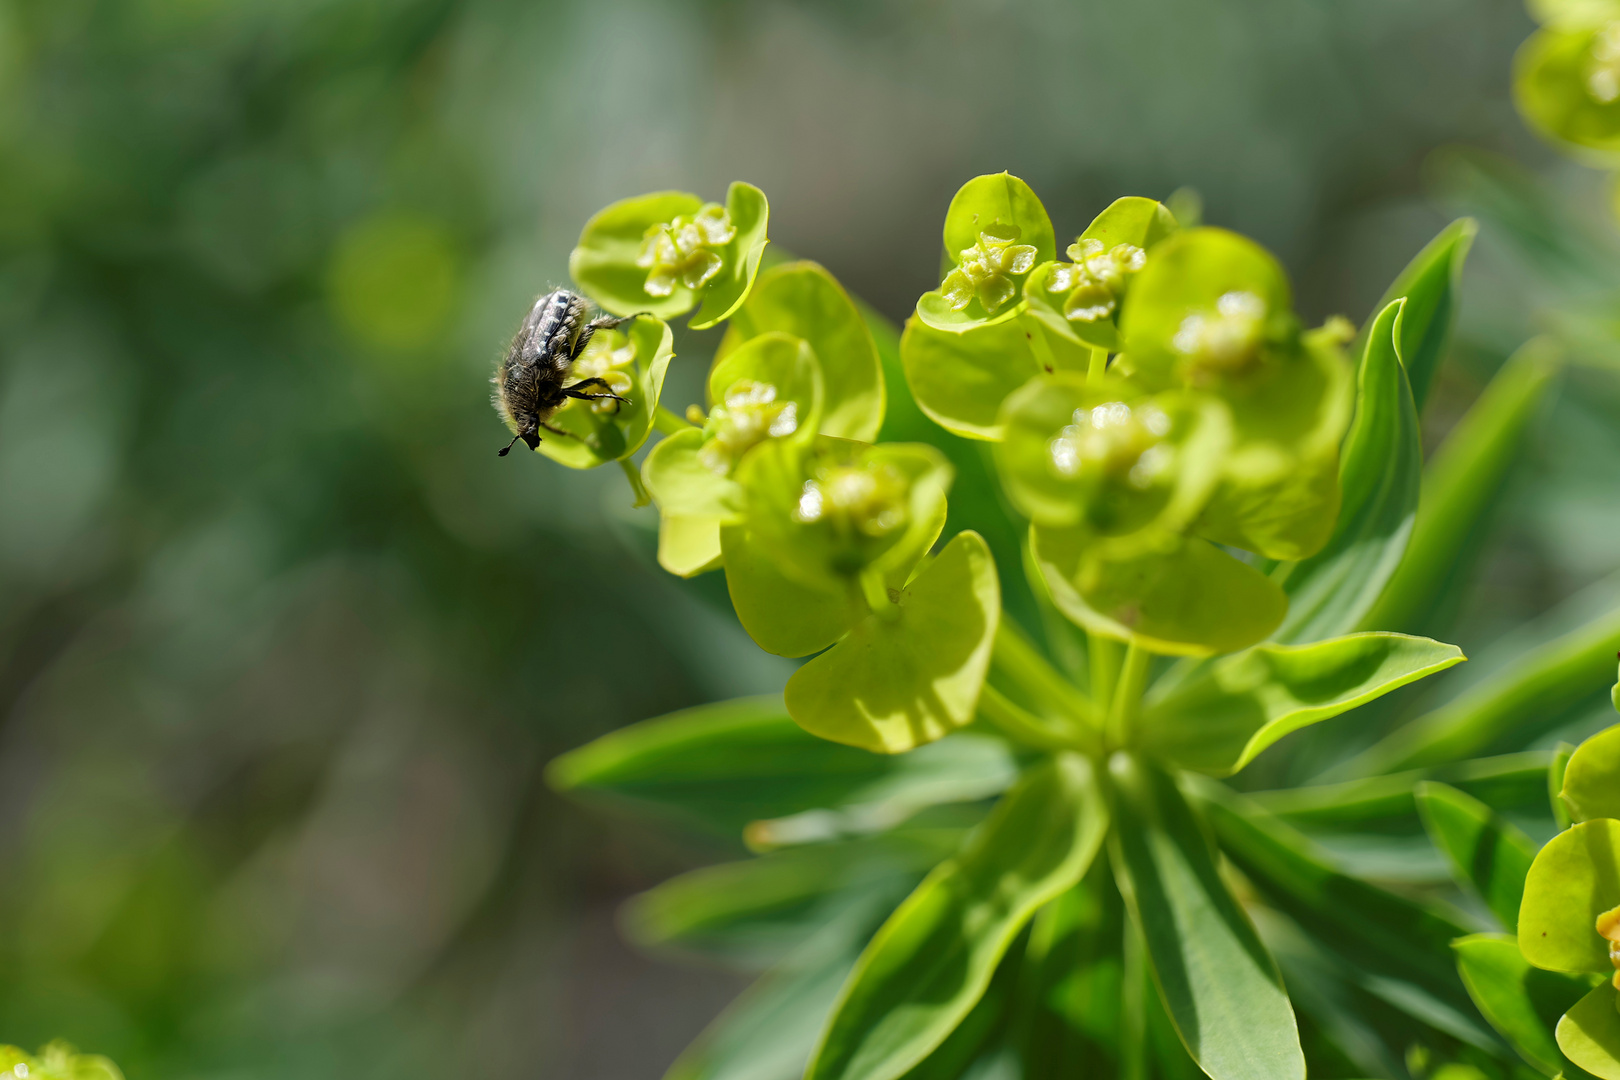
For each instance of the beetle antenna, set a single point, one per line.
(503, 452)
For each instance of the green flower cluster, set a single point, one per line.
(1567, 74)
(1569, 920)
(1151, 398)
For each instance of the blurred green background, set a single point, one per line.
(284, 647)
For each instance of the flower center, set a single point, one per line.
(1114, 443)
(866, 499)
(1096, 279)
(1226, 341)
(986, 270)
(684, 250)
(748, 416)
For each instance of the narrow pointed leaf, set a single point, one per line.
(1460, 484)
(1380, 469)
(750, 914)
(720, 767)
(1428, 284)
(933, 959)
(1218, 982)
(1510, 781)
(1246, 702)
(1541, 683)
(1522, 1003)
(1488, 854)
(1400, 949)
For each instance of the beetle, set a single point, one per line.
(529, 379)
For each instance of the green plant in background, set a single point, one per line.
(987, 815)
(55, 1061)
(1552, 990)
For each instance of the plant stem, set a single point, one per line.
(1021, 724)
(1015, 657)
(1127, 698)
(1104, 653)
(633, 474)
(1038, 343)
(1099, 365)
(666, 422)
(1133, 1008)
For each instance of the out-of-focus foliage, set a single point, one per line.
(284, 645)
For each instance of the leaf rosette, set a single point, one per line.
(666, 252)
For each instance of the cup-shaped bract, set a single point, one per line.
(1131, 468)
(834, 511)
(1279, 493)
(996, 232)
(769, 388)
(960, 380)
(1082, 299)
(803, 299)
(1210, 309)
(1213, 311)
(1185, 597)
(1566, 82)
(632, 361)
(663, 253)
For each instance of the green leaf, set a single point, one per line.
(1132, 220)
(1380, 470)
(1488, 854)
(601, 435)
(934, 957)
(1541, 682)
(1522, 1003)
(604, 262)
(719, 767)
(1511, 781)
(966, 767)
(1591, 787)
(1242, 704)
(1574, 879)
(750, 214)
(750, 914)
(1400, 950)
(1428, 284)
(960, 380)
(783, 361)
(1589, 1034)
(783, 616)
(1192, 600)
(1460, 483)
(1103, 455)
(1218, 983)
(768, 1032)
(803, 299)
(908, 676)
(1551, 88)
(1004, 205)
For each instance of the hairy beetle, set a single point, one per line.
(529, 381)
